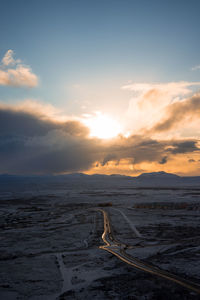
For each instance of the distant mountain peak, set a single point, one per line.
(160, 174)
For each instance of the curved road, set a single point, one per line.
(118, 249)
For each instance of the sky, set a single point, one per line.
(99, 87)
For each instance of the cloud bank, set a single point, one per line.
(36, 139)
(14, 73)
(34, 143)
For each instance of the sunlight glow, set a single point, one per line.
(102, 126)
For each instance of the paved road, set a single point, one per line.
(118, 249)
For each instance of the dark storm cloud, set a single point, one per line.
(140, 148)
(191, 160)
(30, 143)
(183, 147)
(107, 158)
(26, 124)
(178, 112)
(23, 123)
(163, 160)
(136, 148)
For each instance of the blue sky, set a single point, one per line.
(97, 44)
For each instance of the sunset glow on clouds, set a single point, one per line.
(160, 131)
(115, 96)
(151, 102)
(44, 144)
(102, 126)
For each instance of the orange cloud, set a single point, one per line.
(178, 112)
(150, 105)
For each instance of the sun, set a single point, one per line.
(102, 126)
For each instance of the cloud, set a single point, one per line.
(35, 143)
(8, 58)
(180, 147)
(23, 123)
(14, 73)
(148, 103)
(144, 149)
(109, 157)
(31, 144)
(191, 160)
(177, 113)
(163, 160)
(171, 88)
(197, 67)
